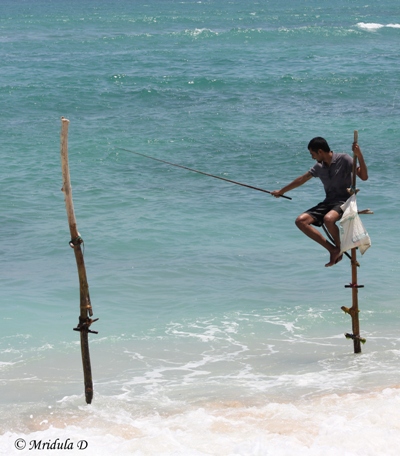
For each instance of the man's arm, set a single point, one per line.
(294, 184)
(362, 170)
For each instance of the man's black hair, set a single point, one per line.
(319, 143)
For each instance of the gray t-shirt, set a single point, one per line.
(336, 178)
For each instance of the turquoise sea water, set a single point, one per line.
(220, 329)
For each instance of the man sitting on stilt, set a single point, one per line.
(335, 172)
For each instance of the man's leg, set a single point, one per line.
(330, 220)
(304, 223)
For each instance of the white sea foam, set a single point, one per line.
(375, 26)
(369, 26)
(349, 424)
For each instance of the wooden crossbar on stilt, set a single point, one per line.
(76, 241)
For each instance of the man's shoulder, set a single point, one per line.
(315, 168)
(338, 156)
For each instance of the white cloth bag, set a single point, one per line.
(352, 231)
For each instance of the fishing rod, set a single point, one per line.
(202, 172)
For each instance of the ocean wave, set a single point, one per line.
(332, 424)
(200, 33)
(372, 26)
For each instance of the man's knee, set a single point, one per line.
(331, 218)
(303, 220)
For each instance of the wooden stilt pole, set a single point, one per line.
(76, 241)
(353, 311)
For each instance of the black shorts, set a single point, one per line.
(319, 211)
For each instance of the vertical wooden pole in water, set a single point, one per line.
(354, 309)
(85, 305)
(354, 285)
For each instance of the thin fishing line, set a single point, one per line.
(202, 172)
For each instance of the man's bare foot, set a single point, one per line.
(339, 258)
(335, 257)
